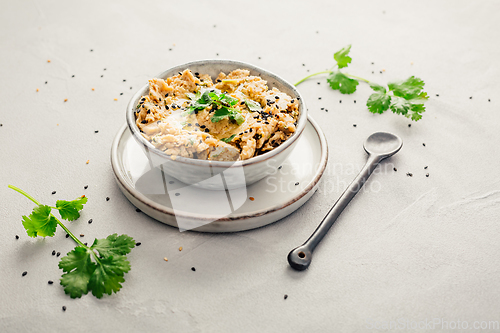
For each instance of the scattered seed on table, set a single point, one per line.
(427, 175)
(121, 93)
(380, 72)
(96, 131)
(409, 125)
(395, 169)
(319, 97)
(72, 76)
(340, 101)
(165, 258)
(124, 80)
(53, 192)
(107, 198)
(88, 161)
(354, 125)
(130, 88)
(90, 221)
(85, 187)
(437, 95)
(425, 167)
(50, 281)
(423, 144)
(326, 110)
(251, 198)
(373, 63)
(85, 244)
(53, 252)
(177, 194)
(215, 26)
(91, 50)
(488, 100)
(354, 101)
(319, 83)
(137, 210)
(64, 308)
(17, 236)
(193, 269)
(470, 97)
(180, 249)
(279, 168)
(65, 99)
(82, 235)
(46, 82)
(285, 297)
(67, 235)
(138, 244)
(116, 99)
(409, 174)
(58, 254)
(102, 75)
(297, 183)
(373, 72)
(48, 60)
(170, 49)
(216, 54)
(303, 64)
(259, 58)
(24, 273)
(37, 90)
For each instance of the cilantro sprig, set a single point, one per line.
(99, 268)
(404, 97)
(221, 101)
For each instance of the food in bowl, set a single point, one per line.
(234, 118)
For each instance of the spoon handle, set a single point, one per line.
(300, 257)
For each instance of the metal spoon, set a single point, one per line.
(379, 146)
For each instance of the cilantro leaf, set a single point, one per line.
(253, 105)
(400, 105)
(378, 102)
(408, 89)
(78, 269)
(108, 275)
(377, 87)
(40, 222)
(238, 117)
(227, 140)
(69, 210)
(220, 114)
(342, 58)
(339, 81)
(113, 245)
(228, 99)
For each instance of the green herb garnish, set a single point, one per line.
(223, 102)
(227, 140)
(98, 268)
(252, 105)
(405, 97)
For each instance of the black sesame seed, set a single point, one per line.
(373, 72)
(67, 235)
(170, 49)
(64, 308)
(259, 58)
(85, 187)
(425, 167)
(373, 63)
(53, 192)
(427, 175)
(319, 97)
(470, 97)
(340, 101)
(193, 269)
(104, 68)
(297, 183)
(395, 169)
(207, 130)
(107, 198)
(82, 235)
(96, 131)
(130, 88)
(102, 75)
(276, 97)
(122, 94)
(58, 254)
(177, 194)
(24, 273)
(279, 168)
(409, 174)
(203, 126)
(85, 244)
(46, 82)
(72, 76)
(285, 297)
(216, 54)
(318, 82)
(409, 125)
(437, 95)
(380, 72)
(54, 252)
(124, 80)
(354, 125)
(90, 221)
(354, 101)
(51, 282)
(298, 98)
(138, 244)
(303, 64)
(423, 144)
(17, 236)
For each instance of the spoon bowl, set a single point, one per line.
(383, 144)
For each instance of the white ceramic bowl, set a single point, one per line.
(220, 175)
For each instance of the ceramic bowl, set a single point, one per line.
(220, 175)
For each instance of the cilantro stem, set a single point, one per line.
(309, 76)
(357, 77)
(57, 220)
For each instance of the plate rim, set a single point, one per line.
(169, 211)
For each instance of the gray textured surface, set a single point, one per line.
(413, 247)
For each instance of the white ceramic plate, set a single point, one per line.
(169, 201)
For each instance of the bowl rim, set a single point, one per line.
(301, 122)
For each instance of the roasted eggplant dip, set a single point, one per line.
(234, 118)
